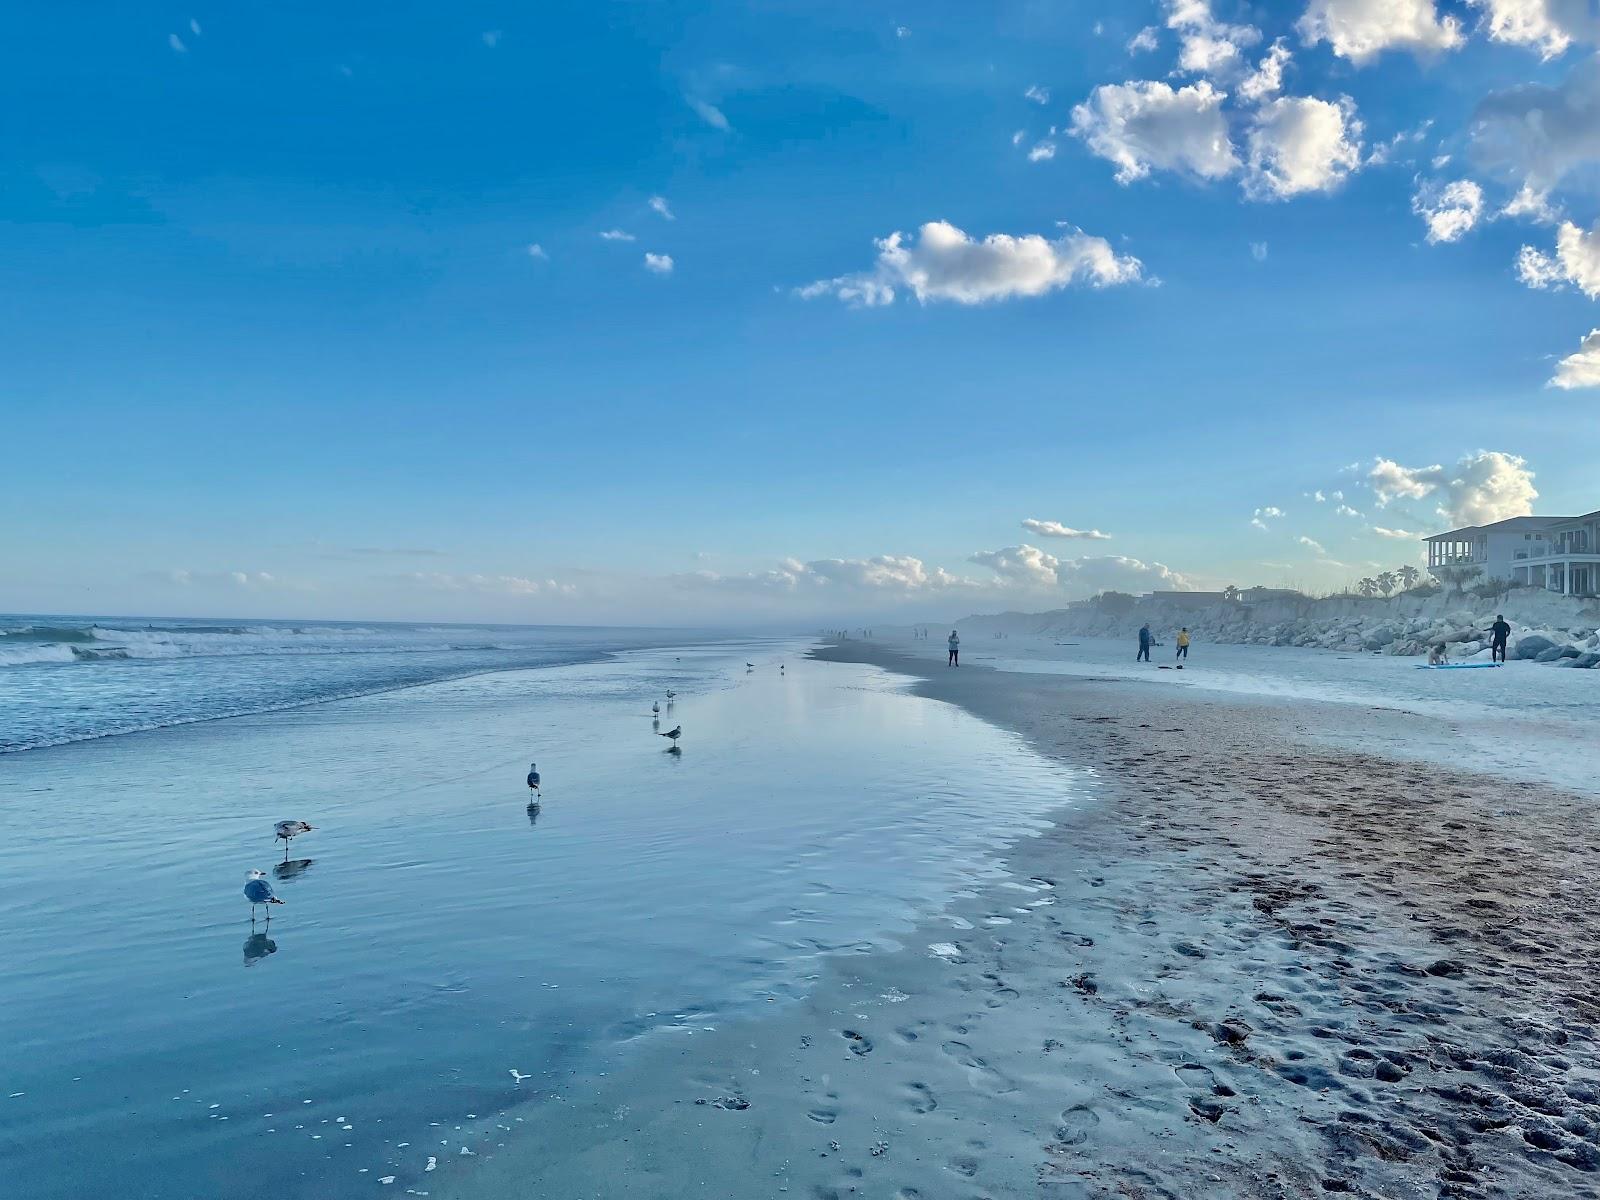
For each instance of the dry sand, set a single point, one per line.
(1258, 968)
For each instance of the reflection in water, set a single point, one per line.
(256, 947)
(533, 812)
(292, 868)
(655, 724)
(675, 750)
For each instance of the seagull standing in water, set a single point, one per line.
(674, 733)
(655, 706)
(258, 891)
(287, 831)
(533, 779)
(670, 695)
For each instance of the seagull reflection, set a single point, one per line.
(291, 868)
(256, 947)
(533, 812)
(675, 750)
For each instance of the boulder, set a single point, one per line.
(1555, 654)
(1532, 645)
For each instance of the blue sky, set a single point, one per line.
(276, 342)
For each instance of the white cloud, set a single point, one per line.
(1055, 529)
(1207, 46)
(1344, 510)
(1313, 545)
(615, 235)
(491, 38)
(1480, 488)
(1449, 211)
(537, 251)
(1538, 134)
(1043, 152)
(1576, 261)
(882, 574)
(1148, 125)
(1267, 79)
(1319, 496)
(1038, 94)
(194, 27)
(1258, 251)
(1029, 567)
(505, 585)
(1144, 41)
(176, 43)
(1532, 204)
(253, 581)
(1301, 144)
(709, 113)
(902, 31)
(1549, 25)
(1263, 515)
(1361, 29)
(659, 264)
(659, 205)
(1580, 370)
(1396, 534)
(944, 263)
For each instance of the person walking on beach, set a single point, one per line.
(955, 649)
(1498, 633)
(1183, 642)
(1144, 643)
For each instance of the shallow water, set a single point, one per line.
(444, 954)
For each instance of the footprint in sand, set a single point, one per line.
(827, 1112)
(980, 1073)
(1077, 1123)
(919, 1098)
(910, 1033)
(858, 1044)
(964, 1165)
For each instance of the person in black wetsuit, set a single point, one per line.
(1144, 643)
(1499, 632)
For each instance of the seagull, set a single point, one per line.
(258, 891)
(670, 696)
(655, 707)
(287, 831)
(751, 665)
(533, 779)
(674, 733)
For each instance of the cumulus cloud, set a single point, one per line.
(537, 251)
(659, 264)
(1267, 79)
(944, 263)
(1479, 489)
(659, 205)
(1580, 370)
(1449, 211)
(1258, 251)
(1055, 529)
(1362, 29)
(1145, 40)
(615, 235)
(1147, 125)
(1344, 510)
(1029, 567)
(1533, 205)
(1207, 46)
(1263, 515)
(247, 580)
(1301, 144)
(1575, 262)
(1549, 26)
(1396, 534)
(1042, 152)
(1539, 134)
(1313, 545)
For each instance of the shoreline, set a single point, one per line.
(1371, 978)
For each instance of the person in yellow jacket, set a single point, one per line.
(1183, 642)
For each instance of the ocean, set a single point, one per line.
(449, 962)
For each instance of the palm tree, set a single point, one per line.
(1409, 576)
(1230, 593)
(1368, 587)
(1387, 582)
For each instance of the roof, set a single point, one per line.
(1509, 525)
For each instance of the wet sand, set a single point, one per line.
(1258, 967)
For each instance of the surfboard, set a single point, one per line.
(1457, 666)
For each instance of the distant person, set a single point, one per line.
(1437, 657)
(955, 649)
(1145, 641)
(1183, 642)
(1498, 633)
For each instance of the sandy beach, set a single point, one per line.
(1255, 967)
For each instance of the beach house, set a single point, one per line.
(1560, 554)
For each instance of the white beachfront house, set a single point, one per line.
(1560, 554)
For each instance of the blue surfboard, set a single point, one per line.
(1457, 666)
